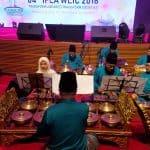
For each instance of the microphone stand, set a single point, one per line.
(49, 53)
(82, 51)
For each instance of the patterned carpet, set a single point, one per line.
(134, 143)
(4, 81)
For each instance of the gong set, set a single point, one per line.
(145, 105)
(103, 108)
(87, 70)
(21, 117)
(104, 112)
(138, 69)
(32, 108)
(66, 68)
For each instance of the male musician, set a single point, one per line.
(109, 68)
(144, 58)
(106, 50)
(147, 84)
(65, 122)
(72, 59)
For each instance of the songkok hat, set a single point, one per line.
(68, 82)
(113, 45)
(111, 58)
(72, 48)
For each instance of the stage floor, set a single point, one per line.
(9, 33)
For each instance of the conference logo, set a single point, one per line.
(13, 9)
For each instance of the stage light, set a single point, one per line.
(139, 33)
(123, 32)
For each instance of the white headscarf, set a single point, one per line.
(47, 72)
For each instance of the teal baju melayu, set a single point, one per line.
(104, 52)
(147, 85)
(142, 60)
(100, 72)
(75, 64)
(65, 123)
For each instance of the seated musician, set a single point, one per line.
(147, 85)
(44, 67)
(72, 59)
(144, 58)
(109, 68)
(106, 50)
(65, 122)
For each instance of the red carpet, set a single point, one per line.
(134, 144)
(4, 81)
